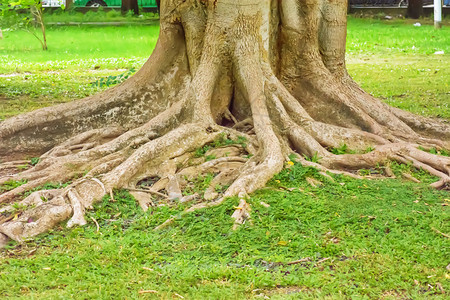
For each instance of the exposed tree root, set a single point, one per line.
(230, 96)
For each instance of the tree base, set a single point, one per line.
(229, 93)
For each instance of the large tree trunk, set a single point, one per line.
(252, 80)
(128, 5)
(415, 9)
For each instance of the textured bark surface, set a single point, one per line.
(253, 80)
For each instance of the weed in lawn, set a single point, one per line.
(315, 158)
(222, 141)
(198, 185)
(34, 161)
(343, 149)
(48, 186)
(442, 152)
(11, 184)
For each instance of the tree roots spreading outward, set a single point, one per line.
(232, 89)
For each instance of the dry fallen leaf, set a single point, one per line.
(148, 292)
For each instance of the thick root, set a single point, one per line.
(228, 95)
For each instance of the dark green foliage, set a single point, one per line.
(113, 79)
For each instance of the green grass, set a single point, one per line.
(368, 36)
(395, 61)
(380, 57)
(378, 237)
(76, 58)
(69, 45)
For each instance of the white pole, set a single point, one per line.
(437, 13)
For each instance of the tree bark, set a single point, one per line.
(128, 5)
(415, 9)
(233, 89)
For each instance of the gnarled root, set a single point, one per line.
(226, 95)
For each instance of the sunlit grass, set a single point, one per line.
(393, 60)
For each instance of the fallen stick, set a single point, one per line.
(298, 261)
(148, 292)
(241, 214)
(96, 224)
(149, 191)
(440, 232)
(322, 260)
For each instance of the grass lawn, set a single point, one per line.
(357, 239)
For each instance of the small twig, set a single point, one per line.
(148, 292)
(410, 177)
(111, 194)
(327, 176)
(149, 191)
(322, 260)
(295, 262)
(388, 171)
(440, 232)
(165, 224)
(313, 182)
(96, 224)
(264, 204)
(439, 285)
(241, 214)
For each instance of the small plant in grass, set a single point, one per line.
(315, 158)
(48, 186)
(433, 150)
(369, 149)
(124, 205)
(17, 208)
(24, 15)
(34, 161)
(294, 174)
(199, 184)
(221, 141)
(11, 184)
(365, 172)
(344, 149)
(210, 157)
